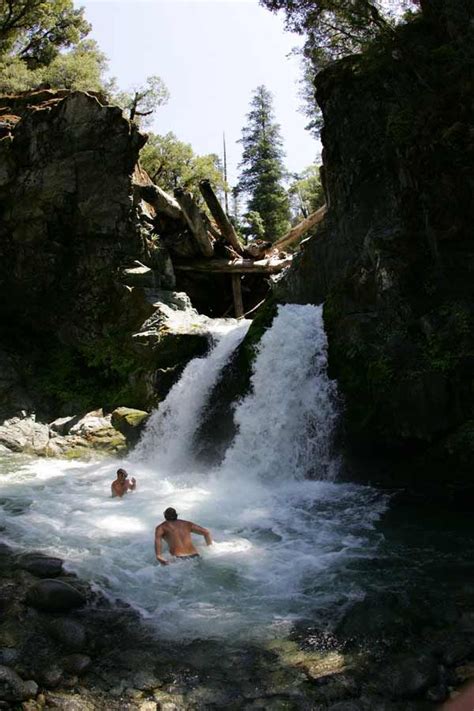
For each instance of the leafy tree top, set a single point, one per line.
(142, 101)
(36, 30)
(171, 163)
(335, 28)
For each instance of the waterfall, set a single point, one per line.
(284, 530)
(286, 424)
(169, 432)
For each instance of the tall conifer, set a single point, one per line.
(262, 166)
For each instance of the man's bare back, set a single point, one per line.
(177, 534)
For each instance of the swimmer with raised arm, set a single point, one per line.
(122, 484)
(177, 534)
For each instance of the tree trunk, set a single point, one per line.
(299, 230)
(237, 292)
(161, 201)
(219, 215)
(195, 221)
(234, 266)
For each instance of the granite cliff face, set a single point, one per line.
(394, 261)
(81, 269)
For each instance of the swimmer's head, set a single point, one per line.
(121, 474)
(170, 514)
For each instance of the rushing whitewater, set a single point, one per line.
(286, 534)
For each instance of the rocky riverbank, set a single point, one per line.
(65, 645)
(76, 437)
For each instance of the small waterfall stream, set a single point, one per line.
(284, 529)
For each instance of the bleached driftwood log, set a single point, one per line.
(224, 224)
(195, 222)
(234, 266)
(298, 230)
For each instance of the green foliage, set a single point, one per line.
(334, 29)
(36, 30)
(306, 193)
(262, 166)
(253, 226)
(42, 44)
(82, 68)
(172, 164)
(142, 101)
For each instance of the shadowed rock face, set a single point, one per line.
(394, 259)
(79, 263)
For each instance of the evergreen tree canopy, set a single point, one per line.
(262, 166)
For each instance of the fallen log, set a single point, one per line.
(298, 230)
(234, 266)
(219, 215)
(195, 221)
(161, 201)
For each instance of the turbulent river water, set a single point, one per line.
(289, 539)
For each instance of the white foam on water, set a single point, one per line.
(282, 540)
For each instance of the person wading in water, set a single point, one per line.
(177, 534)
(121, 485)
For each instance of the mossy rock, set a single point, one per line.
(129, 422)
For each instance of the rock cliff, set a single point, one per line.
(81, 267)
(394, 261)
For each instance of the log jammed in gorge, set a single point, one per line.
(208, 234)
(219, 215)
(299, 230)
(235, 266)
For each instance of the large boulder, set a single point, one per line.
(24, 435)
(13, 688)
(54, 596)
(40, 565)
(129, 422)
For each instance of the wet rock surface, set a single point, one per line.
(101, 656)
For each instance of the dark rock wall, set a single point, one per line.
(71, 222)
(394, 261)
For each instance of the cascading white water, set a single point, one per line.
(169, 432)
(282, 541)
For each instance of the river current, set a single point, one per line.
(289, 539)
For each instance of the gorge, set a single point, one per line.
(327, 442)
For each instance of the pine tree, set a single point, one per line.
(262, 166)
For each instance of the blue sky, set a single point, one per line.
(211, 54)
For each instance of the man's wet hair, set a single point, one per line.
(170, 514)
(121, 471)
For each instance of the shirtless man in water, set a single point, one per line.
(121, 485)
(177, 534)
